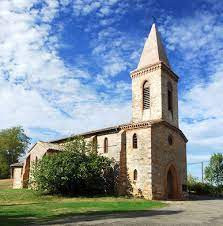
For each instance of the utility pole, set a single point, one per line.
(202, 171)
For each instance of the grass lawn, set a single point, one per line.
(19, 207)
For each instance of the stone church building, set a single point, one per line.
(151, 149)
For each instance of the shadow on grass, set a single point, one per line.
(20, 204)
(16, 220)
(80, 217)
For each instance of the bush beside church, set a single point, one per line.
(78, 170)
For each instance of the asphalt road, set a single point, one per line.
(202, 212)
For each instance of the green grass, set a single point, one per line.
(19, 207)
(5, 184)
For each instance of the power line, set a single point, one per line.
(202, 168)
(194, 163)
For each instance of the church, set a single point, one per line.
(151, 149)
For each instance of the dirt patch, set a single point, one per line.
(5, 184)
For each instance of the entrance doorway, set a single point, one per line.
(172, 191)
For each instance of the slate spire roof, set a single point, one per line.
(154, 50)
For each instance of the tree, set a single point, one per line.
(214, 171)
(13, 144)
(76, 170)
(4, 167)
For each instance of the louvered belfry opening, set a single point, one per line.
(146, 96)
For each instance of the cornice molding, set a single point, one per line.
(136, 125)
(153, 67)
(145, 70)
(152, 123)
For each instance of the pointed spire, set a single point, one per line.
(153, 51)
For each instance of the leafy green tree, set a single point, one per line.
(214, 171)
(13, 144)
(76, 170)
(4, 167)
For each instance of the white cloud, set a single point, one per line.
(42, 93)
(114, 67)
(105, 11)
(37, 90)
(197, 38)
(202, 112)
(113, 50)
(196, 44)
(85, 7)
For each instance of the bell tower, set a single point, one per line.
(154, 84)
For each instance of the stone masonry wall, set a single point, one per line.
(140, 159)
(150, 159)
(155, 111)
(164, 154)
(36, 153)
(114, 145)
(17, 177)
(158, 81)
(130, 159)
(170, 117)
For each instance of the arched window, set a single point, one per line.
(135, 175)
(134, 141)
(170, 97)
(146, 96)
(170, 140)
(106, 145)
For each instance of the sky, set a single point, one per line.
(65, 64)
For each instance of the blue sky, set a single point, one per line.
(64, 65)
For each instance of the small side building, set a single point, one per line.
(21, 171)
(17, 170)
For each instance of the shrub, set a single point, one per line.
(202, 189)
(191, 181)
(77, 170)
(199, 188)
